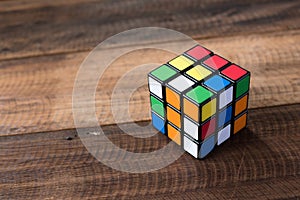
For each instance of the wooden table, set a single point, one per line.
(42, 46)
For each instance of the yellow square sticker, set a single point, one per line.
(199, 72)
(209, 109)
(181, 62)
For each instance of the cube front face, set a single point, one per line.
(199, 100)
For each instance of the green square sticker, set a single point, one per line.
(163, 72)
(157, 106)
(242, 86)
(199, 94)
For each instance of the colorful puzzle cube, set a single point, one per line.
(199, 100)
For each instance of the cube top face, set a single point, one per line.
(181, 62)
(199, 100)
(198, 52)
(163, 72)
(217, 83)
(199, 94)
(215, 62)
(181, 83)
(234, 72)
(198, 72)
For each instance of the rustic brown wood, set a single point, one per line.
(36, 28)
(12, 5)
(262, 161)
(42, 46)
(36, 93)
(281, 188)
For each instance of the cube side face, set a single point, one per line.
(240, 122)
(207, 146)
(190, 146)
(191, 128)
(208, 109)
(208, 128)
(225, 116)
(191, 110)
(158, 123)
(157, 87)
(157, 106)
(174, 117)
(199, 100)
(241, 79)
(174, 133)
(224, 134)
(242, 86)
(173, 98)
(241, 104)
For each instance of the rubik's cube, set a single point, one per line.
(199, 100)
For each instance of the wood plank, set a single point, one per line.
(55, 27)
(282, 188)
(19, 5)
(36, 93)
(262, 161)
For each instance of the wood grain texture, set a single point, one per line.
(22, 5)
(52, 28)
(42, 46)
(282, 188)
(261, 162)
(36, 93)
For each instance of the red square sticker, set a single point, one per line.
(234, 72)
(208, 128)
(198, 52)
(215, 62)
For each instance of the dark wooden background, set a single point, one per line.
(42, 44)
